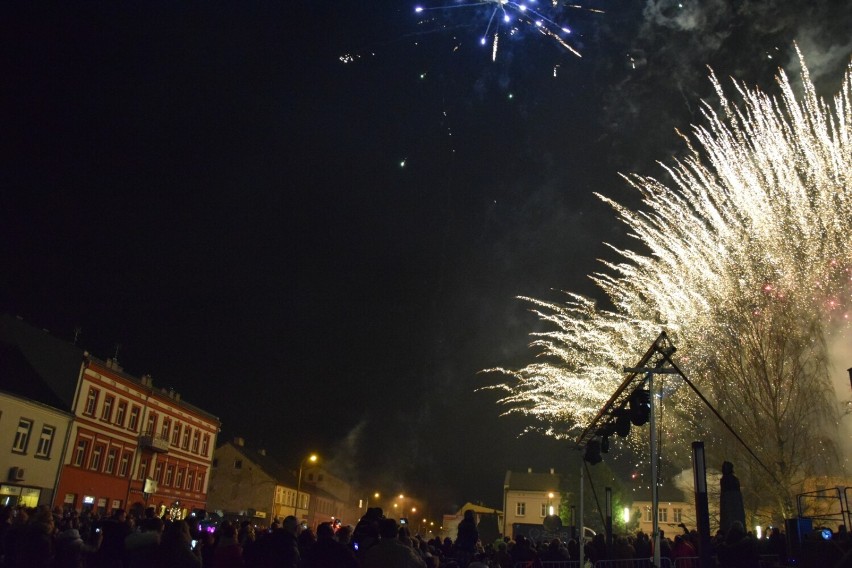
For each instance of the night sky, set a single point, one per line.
(208, 185)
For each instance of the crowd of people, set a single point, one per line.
(41, 538)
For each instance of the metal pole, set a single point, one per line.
(298, 488)
(608, 493)
(702, 509)
(581, 538)
(655, 498)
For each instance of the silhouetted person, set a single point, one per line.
(731, 499)
(390, 552)
(279, 548)
(327, 552)
(466, 540)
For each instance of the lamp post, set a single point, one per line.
(313, 459)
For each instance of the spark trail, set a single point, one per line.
(506, 17)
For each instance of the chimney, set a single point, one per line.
(552, 472)
(239, 442)
(177, 397)
(262, 451)
(529, 470)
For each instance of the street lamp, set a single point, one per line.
(313, 459)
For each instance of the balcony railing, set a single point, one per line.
(153, 441)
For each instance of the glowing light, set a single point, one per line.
(625, 515)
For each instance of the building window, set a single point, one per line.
(110, 461)
(97, 452)
(45, 442)
(91, 402)
(544, 509)
(122, 412)
(22, 436)
(176, 434)
(199, 481)
(125, 462)
(170, 472)
(80, 453)
(186, 433)
(151, 426)
(158, 472)
(238, 464)
(520, 509)
(648, 517)
(133, 423)
(179, 479)
(143, 469)
(663, 515)
(677, 515)
(205, 444)
(190, 478)
(167, 427)
(106, 411)
(196, 438)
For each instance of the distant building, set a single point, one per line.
(130, 444)
(335, 499)
(492, 517)
(33, 433)
(248, 483)
(529, 497)
(673, 509)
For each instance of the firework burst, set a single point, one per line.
(746, 265)
(508, 17)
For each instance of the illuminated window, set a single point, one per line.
(45, 442)
(91, 402)
(22, 436)
(122, 412)
(106, 411)
(520, 509)
(80, 453)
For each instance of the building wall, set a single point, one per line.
(528, 507)
(105, 460)
(671, 513)
(32, 439)
(238, 486)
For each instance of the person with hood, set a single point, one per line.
(71, 550)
